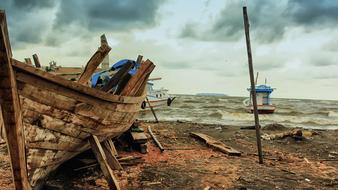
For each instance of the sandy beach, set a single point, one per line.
(187, 163)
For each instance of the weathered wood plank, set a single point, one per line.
(42, 76)
(46, 97)
(11, 111)
(218, 145)
(95, 61)
(102, 159)
(37, 137)
(117, 78)
(137, 81)
(87, 125)
(36, 61)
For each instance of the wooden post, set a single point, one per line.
(36, 61)
(139, 59)
(28, 61)
(11, 111)
(95, 61)
(152, 110)
(253, 87)
(102, 160)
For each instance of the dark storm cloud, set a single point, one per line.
(30, 23)
(269, 19)
(108, 14)
(228, 26)
(313, 12)
(25, 24)
(30, 4)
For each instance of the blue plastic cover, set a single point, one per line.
(104, 75)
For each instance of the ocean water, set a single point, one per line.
(316, 114)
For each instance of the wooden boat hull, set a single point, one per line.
(263, 109)
(58, 120)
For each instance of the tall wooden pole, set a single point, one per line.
(253, 87)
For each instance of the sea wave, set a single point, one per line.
(230, 110)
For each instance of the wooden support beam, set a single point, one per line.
(2, 130)
(113, 147)
(111, 159)
(11, 111)
(95, 61)
(36, 61)
(102, 159)
(152, 110)
(28, 61)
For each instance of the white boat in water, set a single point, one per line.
(157, 97)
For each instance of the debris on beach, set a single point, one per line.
(297, 134)
(218, 145)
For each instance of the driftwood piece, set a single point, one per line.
(117, 78)
(216, 144)
(11, 111)
(292, 133)
(28, 61)
(36, 61)
(102, 159)
(155, 139)
(95, 61)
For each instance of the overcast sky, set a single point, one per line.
(197, 45)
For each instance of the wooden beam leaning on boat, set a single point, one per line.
(95, 61)
(11, 111)
(134, 87)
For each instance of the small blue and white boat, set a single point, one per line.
(264, 103)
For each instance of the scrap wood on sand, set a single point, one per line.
(190, 164)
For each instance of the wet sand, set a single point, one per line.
(311, 163)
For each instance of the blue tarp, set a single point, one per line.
(104, 75)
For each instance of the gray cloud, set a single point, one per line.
(107, 14)
(313, 12)
(269, 19)
(31, 4)
(45, 21)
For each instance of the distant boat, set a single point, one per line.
(157, 97)
(264, 103)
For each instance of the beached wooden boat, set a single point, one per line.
(49, 119)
